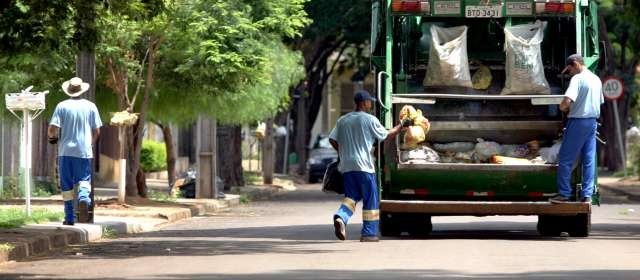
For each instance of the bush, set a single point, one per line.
(153, 156)
(11, 188)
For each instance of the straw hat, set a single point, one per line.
(75, 87)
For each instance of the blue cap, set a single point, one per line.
(362, 95)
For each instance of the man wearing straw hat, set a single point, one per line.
(75, 126)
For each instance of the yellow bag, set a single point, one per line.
(414, 135)
(482, 78)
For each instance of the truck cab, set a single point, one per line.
(412, 192)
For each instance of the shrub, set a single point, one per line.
(153, 156)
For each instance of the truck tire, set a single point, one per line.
(390, 224)
(580, 225)
(419, 225)
(415, 224)
(550, 226)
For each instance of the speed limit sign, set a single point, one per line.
(612, 88)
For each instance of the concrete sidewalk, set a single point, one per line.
(628, 188)
(111, 219)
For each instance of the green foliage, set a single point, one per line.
(17, 217)
(346, 19)
(109, 232)
(11, 189)
(153, 156)
(6, 247)
(161, 196)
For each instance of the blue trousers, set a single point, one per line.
(361, 186)
(74, 171)
(579, 141)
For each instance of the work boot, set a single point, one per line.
(340, 228)
(558, 199)
(83, 212)
(369, 239)
(67, 223)
(586, 200)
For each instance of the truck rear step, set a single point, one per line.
(483, 208)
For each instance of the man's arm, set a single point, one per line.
(334, 144)
(394, 131)
(95, 135)
(566, 104)
(52, 131)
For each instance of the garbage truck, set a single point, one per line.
(488, 75)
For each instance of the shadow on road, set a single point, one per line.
(382, 274)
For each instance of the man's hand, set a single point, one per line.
(565, 105)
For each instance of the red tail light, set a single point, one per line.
(410, 6)
(555, 7)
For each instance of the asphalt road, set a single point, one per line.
(291, 237)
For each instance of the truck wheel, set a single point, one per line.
(390, 224)
(580, 225)
(549, 226)
(419, 225)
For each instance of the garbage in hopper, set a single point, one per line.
(418, 126)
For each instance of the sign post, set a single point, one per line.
(31, 104)
(613, 89)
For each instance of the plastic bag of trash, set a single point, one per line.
(332, 180)
(456, 147)
(448, 61)
(524, 68)
(414, 135)
(422, 154)
(550, 155)
(486, 149)
(482, 78)
(516, 151)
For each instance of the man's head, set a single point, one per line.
(363, 100)
(574, 64)
(75, 87)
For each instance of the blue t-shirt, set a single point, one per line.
(76, 118)
(356, 133)
(585, 90)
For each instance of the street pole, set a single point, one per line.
(122, 181)
(26, 158)
(286, 145)
(619, 136)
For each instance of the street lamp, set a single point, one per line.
(31, 104)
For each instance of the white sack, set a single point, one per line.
(448, 62)
(524, 68)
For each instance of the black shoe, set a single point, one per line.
(559, 199)
(369, 239)
(586, 200)
(83, 212)
(340, 229)
(67, 223)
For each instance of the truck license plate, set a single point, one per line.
(493, 11)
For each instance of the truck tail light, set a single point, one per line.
(555, 7)
(410, 6)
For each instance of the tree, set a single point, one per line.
(337, 25)
(226, 60)
(619, 28)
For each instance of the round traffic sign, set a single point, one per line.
(612, 88)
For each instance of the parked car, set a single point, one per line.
(320, 156)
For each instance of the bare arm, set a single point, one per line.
(334, 144)
(394, 131)
(565, 105)
(52, 131)
(95, 135)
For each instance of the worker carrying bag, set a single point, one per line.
(333, 181)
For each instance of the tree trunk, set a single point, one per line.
(171, 152)
(230, 156)
(301, 133)
(268, 153)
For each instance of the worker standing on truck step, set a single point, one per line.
(582, 100)
(76, 122)
(354, 137)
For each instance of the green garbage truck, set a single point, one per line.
(488, 74)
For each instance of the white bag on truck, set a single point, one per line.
(448, 62)
(524, 68)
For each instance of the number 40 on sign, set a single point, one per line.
(612, 88)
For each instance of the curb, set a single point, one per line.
(621, 192)
(43, 239)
